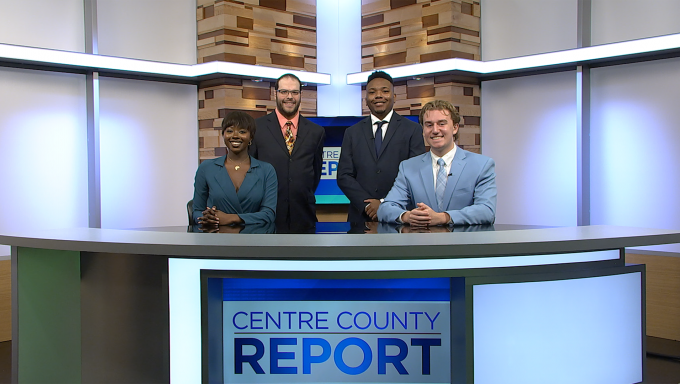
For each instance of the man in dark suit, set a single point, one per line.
(294, 146)
(373, 148)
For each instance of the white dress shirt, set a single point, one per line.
(375, 120)
(448, 159)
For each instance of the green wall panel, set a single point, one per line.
(48, 288)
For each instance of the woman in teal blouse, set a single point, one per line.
(236, 188)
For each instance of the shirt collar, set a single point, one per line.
(448, 156)
(283, 120)
(387, 118)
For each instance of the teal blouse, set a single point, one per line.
(255, 201)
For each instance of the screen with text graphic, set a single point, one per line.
(336, 331)
(328, 191)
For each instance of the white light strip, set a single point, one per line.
(85, 61)
(605, 51)
(185, 290)
(98, 62)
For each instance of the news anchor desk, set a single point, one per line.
(493, 306)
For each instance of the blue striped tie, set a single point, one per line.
(441, 184)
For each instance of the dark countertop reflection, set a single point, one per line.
(341, 227)
(374, 228)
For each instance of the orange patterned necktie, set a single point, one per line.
(290, 139)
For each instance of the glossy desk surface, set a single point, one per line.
(465, 242)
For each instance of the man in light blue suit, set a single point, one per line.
(448, 185)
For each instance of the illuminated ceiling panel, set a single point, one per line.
(600, 55)
(49, 59)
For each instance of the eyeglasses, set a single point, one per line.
(285, 92)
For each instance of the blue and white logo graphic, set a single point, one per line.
(329, 167)
(339, 341)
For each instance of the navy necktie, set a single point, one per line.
(378, 137)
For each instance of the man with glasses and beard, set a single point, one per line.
(294, 146)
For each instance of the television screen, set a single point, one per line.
(328, 191)
(269, 330)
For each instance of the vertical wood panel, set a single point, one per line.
(5, 300)
(663, 294)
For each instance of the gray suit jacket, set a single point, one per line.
(469, 198)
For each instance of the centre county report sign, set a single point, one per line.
(336, 331)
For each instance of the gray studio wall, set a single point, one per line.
(529, 123)
(149, 132)
(635, 122)
(529, 128)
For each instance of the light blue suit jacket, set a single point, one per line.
(255, 201)
(469, 198)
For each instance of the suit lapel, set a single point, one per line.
(428, 181)
(275, 130)
(457, 166)
(367, 129)
(302, 133)
(392, 128)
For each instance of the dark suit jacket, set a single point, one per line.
(298, 173)
(363, 175)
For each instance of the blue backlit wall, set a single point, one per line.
(149, 130)
(635, 112)
(530, 130)
(43, 159)
(634, 139)
(148, 152)
(529, 123)
(636, 146)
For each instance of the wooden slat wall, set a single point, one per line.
(398, 32)
(275, 33)
(463, 93)
(663, 294)
(216, 98)
(282, 33)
